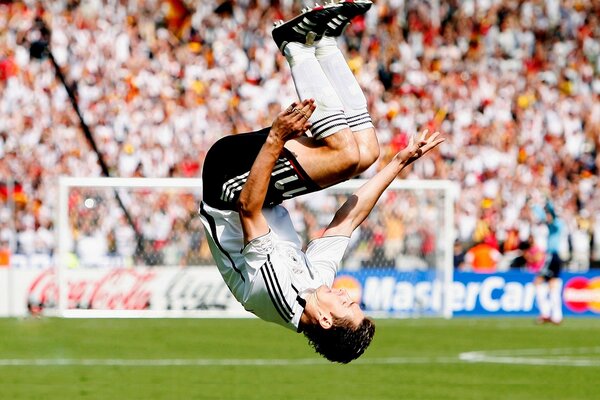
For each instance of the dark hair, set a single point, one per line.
(342, 342)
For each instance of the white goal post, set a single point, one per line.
(133, 247)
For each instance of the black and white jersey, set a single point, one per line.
(271, 273)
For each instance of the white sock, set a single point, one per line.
(541, 297)
(343, 81)
(311, 82)
(556, 314)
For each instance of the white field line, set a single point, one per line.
(559, 357)
(207, 362)
(571, 357)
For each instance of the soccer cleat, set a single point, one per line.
(542, 320)
(306, 28)
(346, 11)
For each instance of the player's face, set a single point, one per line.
(339, 304)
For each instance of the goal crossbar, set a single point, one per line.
(449, 189)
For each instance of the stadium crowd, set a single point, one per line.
(514, 86)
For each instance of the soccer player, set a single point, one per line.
(548, 285)
(245, 177)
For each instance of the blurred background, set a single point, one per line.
(513, 85)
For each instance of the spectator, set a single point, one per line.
(4, 254)
(459, 255)
(547, 283)
(534, 256)
(515, 86)
(482, 258)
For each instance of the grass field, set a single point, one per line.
(249, 359)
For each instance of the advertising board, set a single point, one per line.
(193, 290)
(472, 294)
(200, 291)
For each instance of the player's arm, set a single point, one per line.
(289, 124)
(358, 206)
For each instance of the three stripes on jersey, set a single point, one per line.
(275, 292)
(234, 185)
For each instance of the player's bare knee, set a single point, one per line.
(368, 147)
(351, 159)
(347, 153)
(370, 151)
(339, 140)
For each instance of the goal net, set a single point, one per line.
(135, 247)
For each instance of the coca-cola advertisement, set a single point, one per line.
(192, 290)
(115, 289)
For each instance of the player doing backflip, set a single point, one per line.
(247, 176)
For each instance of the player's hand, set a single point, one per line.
(417, 147)
(293, 121)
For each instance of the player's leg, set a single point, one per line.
(555, 287)
(541, 297)
(331, 155)
(353, 99)
(341, 149)
(345, 84)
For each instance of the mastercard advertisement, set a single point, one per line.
(582, 294)
(396, 293)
